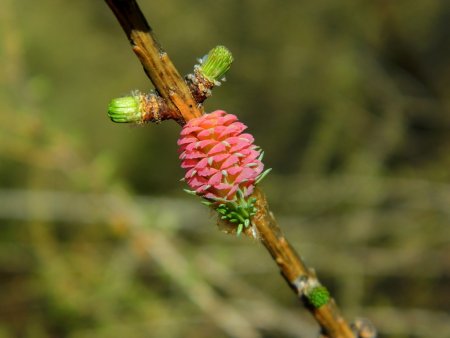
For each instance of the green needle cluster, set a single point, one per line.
(216, 63)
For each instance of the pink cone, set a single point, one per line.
(218, 158)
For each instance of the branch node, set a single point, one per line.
(363, 328)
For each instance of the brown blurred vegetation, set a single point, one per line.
(350, 101)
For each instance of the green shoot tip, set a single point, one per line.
(216, 63)
(125, 109)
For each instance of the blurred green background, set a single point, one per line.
(350, 101)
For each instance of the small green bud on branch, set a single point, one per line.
(214, 65)
(139, 108)
(318, 296)
(209, 72)
(125, 109)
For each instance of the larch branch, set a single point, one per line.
(171, 86)
(157, 64)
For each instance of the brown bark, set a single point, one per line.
(294, 270)
(171, 86)
(157, 64)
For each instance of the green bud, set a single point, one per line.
(125, 109)
(318, 296)
(214, 65)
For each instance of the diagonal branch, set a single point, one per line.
(157, 64)
(295, 272)
(177, 95)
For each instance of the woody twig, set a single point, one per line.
(181, 100)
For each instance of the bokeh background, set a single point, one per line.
(350, 101)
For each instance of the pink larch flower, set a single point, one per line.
(219, 159)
